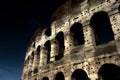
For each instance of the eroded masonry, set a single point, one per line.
(84, 35)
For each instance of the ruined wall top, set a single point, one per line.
(69, 5)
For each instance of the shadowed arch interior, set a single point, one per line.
(109, 71)
(119, 8)
(60, 39)
(35, 70)
(48, 47)
(30, 73)
(33, 44)
(38, 48)
(79, 74)
(78, 36)
(45, 78)
(32, 57)
(48, 32)
(102, 27)
(59, 76)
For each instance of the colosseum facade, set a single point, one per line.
(84, 35)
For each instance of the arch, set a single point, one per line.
(119, 8)
(38, 48)
(79, 74)
(109, 71)
(29, 73)
(35, 70)
(48, 47)
(102, 27)
(28, 59)
(78, 36)
(32, 57)
(48, 32)
(59, 76)
(33, 44)
(60, 38)
(45, 78)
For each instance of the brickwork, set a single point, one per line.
(75, 43)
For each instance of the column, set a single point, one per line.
(36, 60)
(30, 66)
(89, 41)
(89, 36)
(25, 70)
(69, 43)
(43, 56)
(54, 50)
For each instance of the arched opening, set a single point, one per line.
(74, 1)
(48, 32)
(35, 70)
(32, 57)
(38, 54)
(48, 48)
(78, 36)
(119, 8)
(59, 76)
(60, 39)
(33, 44)
(79, 74)
(30, 73)
(38, 48)
(28, 60)
(45, 78)
(109, 71)
(102, 27)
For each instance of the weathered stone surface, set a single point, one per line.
(72, 50)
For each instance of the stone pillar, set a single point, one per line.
(36, 60)
(43, 56)
(25, 70)
(30, 62)
(89, 41)
(115, 21)
(89, 36)
(54, 50)
(30, 66)
(69, 43)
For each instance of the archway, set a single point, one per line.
(29, 73)
(48, 48)
(79, 74)
(45, 78)
(38, 48)
(60, 39)
(35, 70)
(48, 32)
(32, 58)
(102, 27)
(109, 71)
(119, 8)
(59, 76)
(78, 36)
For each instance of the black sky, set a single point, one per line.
(18, 21)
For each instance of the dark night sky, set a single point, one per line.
(18, 21)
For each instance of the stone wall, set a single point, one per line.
(77, 41)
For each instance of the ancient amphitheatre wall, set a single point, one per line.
(77, 41)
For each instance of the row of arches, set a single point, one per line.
(101, 26)
(78, 74)
(108, 71)
(99, 22)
